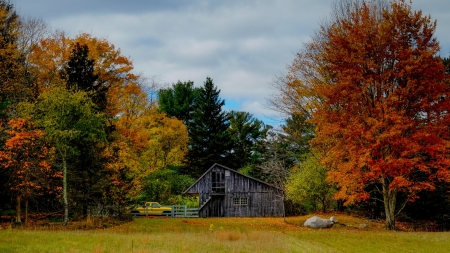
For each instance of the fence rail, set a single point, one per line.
(182, 211)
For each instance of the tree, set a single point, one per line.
(11, 86)
(380, 109)
(147, 140)
(307, 183)
(178, 101)
(162, 185)
(209, 138)
(79, 75)
(114, 71)
(279, 157)
(28, 160)
(67, 117)
(247, 135)
(300, 132)
(167, 142)
(31, 31)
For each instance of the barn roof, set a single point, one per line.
(235, 171)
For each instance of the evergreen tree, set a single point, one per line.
(86, 166)
(178, 100)
(209, 138)
(79, 75)
(248, 134)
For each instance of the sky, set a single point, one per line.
(243, 45)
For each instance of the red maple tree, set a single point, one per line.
(28, 161)
(385, 120)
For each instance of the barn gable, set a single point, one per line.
(224, 192)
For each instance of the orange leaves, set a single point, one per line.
(382, 120)
(113, 69)
(26, 157)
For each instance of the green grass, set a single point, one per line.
(224, 235)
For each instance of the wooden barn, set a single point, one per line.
(224, 192)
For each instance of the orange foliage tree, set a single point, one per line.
(371, 82)
(113, 69)
(385, 120)
(146, 140)
(28, 160)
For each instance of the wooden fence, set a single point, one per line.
(182, 211)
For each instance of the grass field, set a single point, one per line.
(224, 235)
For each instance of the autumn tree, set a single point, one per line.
(380, 102)
(28, 160)
(12, 88)
(114, 70)
(66, 117)
(209, 138)
(147, 140)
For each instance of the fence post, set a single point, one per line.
(185, 210)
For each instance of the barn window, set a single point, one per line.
(217, 182)
(240, 201)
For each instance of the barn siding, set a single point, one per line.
(263, 199)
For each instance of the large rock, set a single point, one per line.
(333, 219)
(317, 222)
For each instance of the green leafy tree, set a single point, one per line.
(79, 73)
(163, 185)
(307, 184)
(209, 139)
(67, 118)
(178, 101)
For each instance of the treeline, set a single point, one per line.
(79, 131)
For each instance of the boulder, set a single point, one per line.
(333, 219)
(317, 222)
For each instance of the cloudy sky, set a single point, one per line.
(241, 44)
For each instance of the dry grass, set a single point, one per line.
(225, 235)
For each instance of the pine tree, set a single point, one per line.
(79, 75)
(209, 138)
(86, 167)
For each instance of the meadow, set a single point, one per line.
(223, 235)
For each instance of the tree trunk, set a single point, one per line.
(390, 201)
(66, 203)
(18, 210)
(324, 205)
(26, 212)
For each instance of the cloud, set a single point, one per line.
(242, 45)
